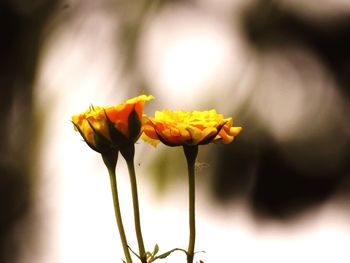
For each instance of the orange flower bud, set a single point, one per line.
(104, 128)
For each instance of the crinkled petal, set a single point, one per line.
(190, 128)
(199, 135)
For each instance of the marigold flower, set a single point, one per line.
(107, 127)
(175, 128)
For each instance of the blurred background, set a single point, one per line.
(280, 68)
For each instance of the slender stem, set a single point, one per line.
(191, 155)
(128, 153)
(118, 216)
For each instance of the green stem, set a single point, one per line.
(128, 153)
(118, 216)
(191, 155)
(110, 159)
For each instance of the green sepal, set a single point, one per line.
(84, 138)
(103, 145)
(117, 137)
(110, 159)
(134, 126)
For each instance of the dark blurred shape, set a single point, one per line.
(269, 24)
(261, 174)
(14, 203)
(282, 191)
(21, 26)
(235, 169)
(276, 187)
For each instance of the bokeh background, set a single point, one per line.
(280, 68)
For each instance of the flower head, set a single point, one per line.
(175, 128)
(93, 128)
(108, 127)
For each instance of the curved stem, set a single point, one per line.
(118, 216)
(191, 155)
(128, 153)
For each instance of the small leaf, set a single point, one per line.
(102, 143)
(164, 255)
(155, 250)
(116, 136)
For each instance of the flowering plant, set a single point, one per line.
(109, 130)
(189, 129)
(114, 129)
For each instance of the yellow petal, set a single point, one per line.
(149, 140)
(234, 131)
(193, 127)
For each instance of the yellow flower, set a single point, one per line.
(175, 128)
(107, 127)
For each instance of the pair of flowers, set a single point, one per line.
(109, 130)
(106, 127)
